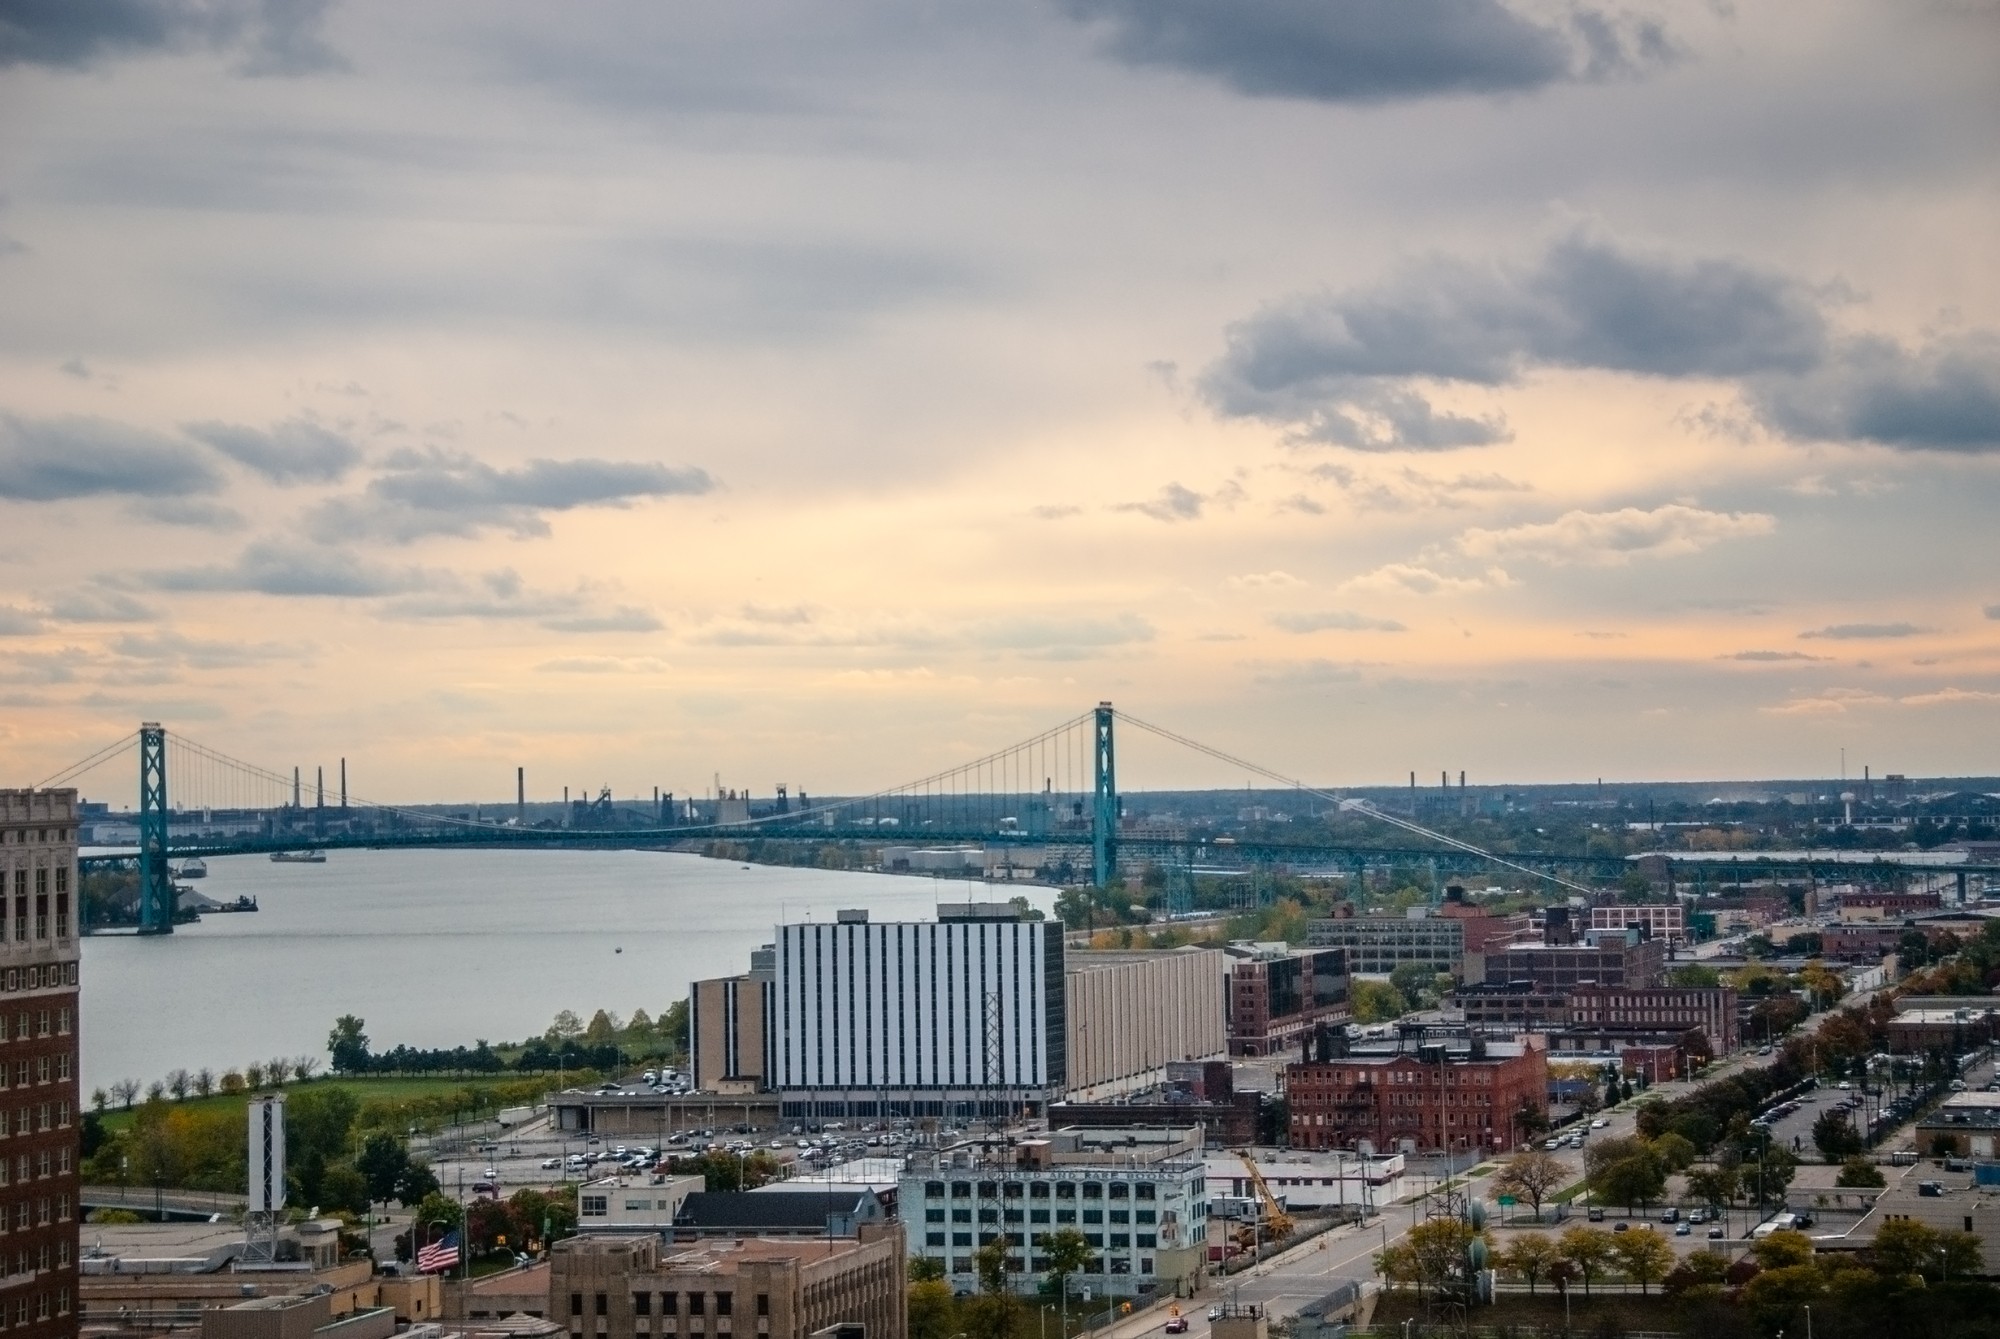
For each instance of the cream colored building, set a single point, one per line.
(1130, 1014)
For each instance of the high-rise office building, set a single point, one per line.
(39, 1176)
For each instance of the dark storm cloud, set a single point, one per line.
(436, 493)
(270, 567)
(267, 36)
(1350, 369)
(45, 460)
(292, 452)
(1943, 398)
(1368, 50)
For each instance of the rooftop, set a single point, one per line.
(796, 1210)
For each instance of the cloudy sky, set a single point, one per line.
(829, 393)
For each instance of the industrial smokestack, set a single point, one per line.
(295, 788)
(343, 785)
(521, 793)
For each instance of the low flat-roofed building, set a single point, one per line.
(783, 1288)
(822, 1212)
(1878, 906)
(633, 1203)
(1663, 920)
(1610, 958)
(1509, 1006)
(1952, 1204)
(1306, 1180)
(1964, 1125)
(1928, 1023)
(1131, 1014)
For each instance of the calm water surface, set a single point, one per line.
(439, 948)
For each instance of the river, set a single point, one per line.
(442, 948)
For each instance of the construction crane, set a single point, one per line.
(1276, 1221)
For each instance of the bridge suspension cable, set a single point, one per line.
(91, 763)
(1350, 805)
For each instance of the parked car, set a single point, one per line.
(1715, 1233)
(1596, 1215)
(1682, 1230)
(1599, 1123)
(1178, 1325)
(1621, 1226)
(551, 1164)
(1670, 1215)
(1551, 1145)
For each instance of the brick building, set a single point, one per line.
(1462, 1093)
(1878, 906)
(625, 1287)
(1481, 929)
(1638, 1011)
(39, 1150)
(1609, 958)
(1277, 995)
(1510, 1006)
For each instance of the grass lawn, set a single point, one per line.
(364, 1089)
(1568, 1193)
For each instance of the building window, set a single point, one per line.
(933, 1238)
(602, 1304)
(670, 1304)
(763, 1304)
(722, 1303)
(576, 1304)
(695, 1301)
(961, 1238)
(642, 1304)
(1065, 1190)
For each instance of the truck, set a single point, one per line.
(512, 1116)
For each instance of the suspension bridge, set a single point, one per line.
(1056, 789)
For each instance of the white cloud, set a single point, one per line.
(1611, 538)
(1413, 579)
(1272, 580)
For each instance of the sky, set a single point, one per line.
(646, 392)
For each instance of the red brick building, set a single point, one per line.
(39, 1176)
(1874, 906)
(1612, 1010)
(1462, 1094)
(1278, 995)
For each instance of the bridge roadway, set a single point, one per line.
(1168, 850)
(179, 1205)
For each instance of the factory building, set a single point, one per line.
(1378, 945)
(1427, 1090)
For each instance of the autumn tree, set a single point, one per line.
(1644, 1257)
(1529, 1256)
(1531, 1176)
(1858, 1173)
(1588, 1249)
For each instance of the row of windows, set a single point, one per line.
(42, 1023)
(1041, 1190)
(35, 978)
(32, 1120)
(671, 1304)
(41, 1303)
(42, 1069)
(1040, 1263)
(1041, 1216)
(36, 1213)
(19, 836)
(38, 1260)
(1120, 1241)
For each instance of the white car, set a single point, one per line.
(551, 1164)
(1599, 1123)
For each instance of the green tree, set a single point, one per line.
(603, 1029)
(1439, 1246)
(1858, 1173)
(382, 1162)
(933, 1311)
(1695, 974)
(1528, 1256)
(673, 1030)
(347, 1045)
(1675, 1152)
(926, 1269)
(1904, 1246)
(1414, 981)
(1531, 1176)
(1714, 1186)
(1835, 1136)
(1375, 1001)
(343, 1189)
(1624, 1171)
(566, 1027)
(1643, 1257)
(1588, 1250)
(1067, 1251)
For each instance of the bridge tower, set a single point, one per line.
(1104, 805)
(156, 882)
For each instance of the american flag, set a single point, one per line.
(440, 1254)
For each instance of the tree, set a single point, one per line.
(99, 1099)
(1531, 1176)
(204, 1082)
(1714, 1186)
(1439, 1248)
(382, 1162)
(1398, 1264)
(1783, 1249)
(180, 1083)
(277, 1070)
(1413, 980)
(925, 1269)
(1529, 1255)
(1835, 1136)
(1587, 1249)
(304, 1067)
(1375, 1001)
(1676, 1152)
(347, 1044)
(1643, 1256)
(1772, 1174)
(342, 1188)
(932, 1310)
(673, 1029)
(1068, 1251)
(603, 1029)
(640, 1026)
(1699, 1269)
(1695, 974)
(1904, 1246)
(1858, 1173)
(253, 1075)
(566, 1027)
(1624, 1171)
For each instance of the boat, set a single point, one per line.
(242, 903)
(298, 857)
(193, 869)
